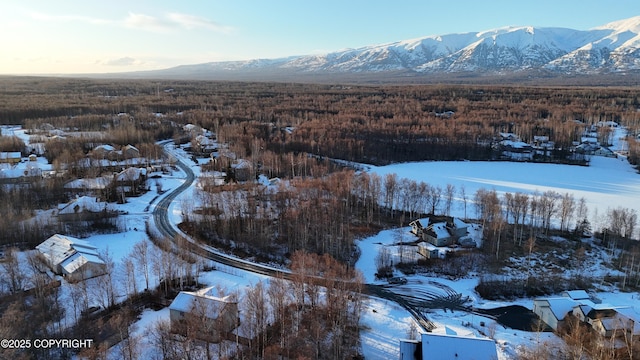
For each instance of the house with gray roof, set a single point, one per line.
(72, 258)
(446, 347)
(215, 314)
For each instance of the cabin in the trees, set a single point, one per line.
(205, 145)
(218, 315)
(442, 233)
(131, 181)
(102, 151)
(97, 187)
(516, 150)
(72, 258)
(130, 152)
(85, 208)
(243, 170)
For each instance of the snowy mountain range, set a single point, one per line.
(608, 49)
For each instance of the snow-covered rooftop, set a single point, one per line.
(58, 248)
(185, 300)
(576, 294)
(89, 184)
(131, 174)
(561, 306)
(82, 204)
(440, 229)
(446, 347)
(75, 261)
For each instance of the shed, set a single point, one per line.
(427, 250)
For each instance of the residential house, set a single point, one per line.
(219, 315)
(610, 321)
(442, 233)
(72, 258)
(84, 208)
(192, 128)
(553, 311)
(605, 152)
(509, 136)
(446, 347)
(416, 228)
(102, 151)
(438, 234)
(130, 152)
(633, 322)
(243, 170)
(542, 145)
(446, 114)
(205, 145)
(586, 148)
(516, 150)
(131, 181)
(97, 187)
(605, 319)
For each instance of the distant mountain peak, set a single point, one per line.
(631, 24)
(606, 49)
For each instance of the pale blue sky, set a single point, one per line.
(81, 36)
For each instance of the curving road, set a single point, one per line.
(164, 225)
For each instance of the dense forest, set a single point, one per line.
(304, 138)
(374, 124)
(290, 131)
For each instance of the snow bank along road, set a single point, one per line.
(164, 225)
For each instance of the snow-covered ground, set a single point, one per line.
(385, 324)
(606, 183)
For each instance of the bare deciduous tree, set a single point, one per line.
(15, 277)
(567, 209)
(140, 254)
(449, 194)
(463, 196)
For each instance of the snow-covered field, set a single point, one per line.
(606, 183)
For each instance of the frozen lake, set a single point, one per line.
(606, 183)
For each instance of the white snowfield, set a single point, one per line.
(607, 183)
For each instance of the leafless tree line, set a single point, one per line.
(315, 316)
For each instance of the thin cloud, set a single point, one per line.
(147, 22)
(169, 22)
(191, 22)
(123, 61)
